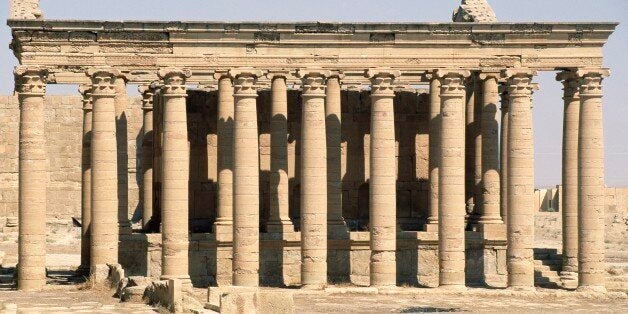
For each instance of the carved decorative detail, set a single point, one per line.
(488, 39)
(147, 92)
(519, 82)
(324, 28)
(314, 81)
(103, 81)
(174, 81)
(591, 81)
(475, 11)
(245, 80)
(571, 83)
(383, 81)
(382, 38)
(266, 37)
(30, 80)
(452, 81)
(86, 91)
(532, 28)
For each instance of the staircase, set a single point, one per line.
(547, 267)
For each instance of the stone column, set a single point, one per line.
(121, 102)
(520, 234)
(245, 179)
(490, 185)
(471, 135)
(336, 226)
(147, 93)
(223, 227)
(591, 187)
(451, 213)
(434, 152)
(382, 182)
(104, 163)
(175, 176)
(279, 220)
(569, 195)
(86, 178)
(31, 268)
(313, 180)
(503, 155)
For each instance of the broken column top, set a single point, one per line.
(25, 10)
(478, 11)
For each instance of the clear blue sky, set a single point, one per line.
(548, 105)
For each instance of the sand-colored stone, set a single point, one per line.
(382, 183)
(336, 225)
(451, 237)
(434, 153)
(313, 179)
(245, 179)
(31, 269)
(520, 222)
(591, 188)
(86, 177)
(224, 131)
(175, 172)
(279, 220)
(503, 154)
(571, 121)
(148, 93)
(490, 184)
(104, 165)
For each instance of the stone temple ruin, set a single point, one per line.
(304, 154)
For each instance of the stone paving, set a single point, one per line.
(75, 301)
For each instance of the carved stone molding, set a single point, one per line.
(519, 82)
(103, 81)
(174, 81)
(30, 80)
(86, 91)
(245, 80)
(571, 84)
(147, 92)
(382, 81)
(314, 81)
(452, 81)
(591, 81)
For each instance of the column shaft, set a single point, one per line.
(223, 226)
(279, 220)
(147, 159)
(86, 178)
(434, 152)
(503, 156)
(175, 177)
(104, 163)
(490, 184)
(313, 180)
(520, 262)
(591, 185)
(121, 102)
(382, 182)
(333, 117)
(245, 180)
(31, 268)
(451, 237)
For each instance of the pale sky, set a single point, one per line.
(548, 105)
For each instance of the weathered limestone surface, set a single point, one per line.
(490, 182)
(434, 150)
(147, 93)
(336, 226)
(25, 9)
(86, 179)
(224, 133)
(474, 11)
(503, 154)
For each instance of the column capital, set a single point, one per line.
(314, 81)
(147, 92)
(591, 81)
(244, 81)
(174, 81)
(519, 81)
(382, 81)
(452, 81)
(492, 75)
(30, 80)
(86, 92)
(281, 74)
(571, 84)
(103, 81)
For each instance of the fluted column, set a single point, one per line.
(569, 195)
(490, 185)
(175, 176)
(86, 178)
(30, 84)
(591, 187)
(223, 227)
(147, 93)
(279, 220)
(451, 213)
(520, 259)
(121, 101)
(382, 182)
(245, 179)
(503, 155)
(336, 226)
(313, 179)
(104, 164)
(434, 152)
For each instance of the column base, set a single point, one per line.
(431, 226)
(279, 226)
(456, 288)
(490, 220)
(31, 284)
(312, 287)
(223, 231)
(125, 228)
(82, 270)
(337, 230)
(591, 289)
(99, 274)
(496, 231)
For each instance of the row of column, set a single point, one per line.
(238, 191)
